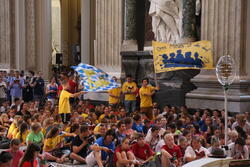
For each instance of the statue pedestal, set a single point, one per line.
(173, 85)
(209, 93)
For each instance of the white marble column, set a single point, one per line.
(108, 35)
(20, 43)
(5, 34)
(224, 24)
(85, 31)
(43, 36)
(30, 35)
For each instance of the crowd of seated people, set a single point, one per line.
(33, 133)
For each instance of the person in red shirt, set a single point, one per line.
(171, 153)
(124, 156)
(142, 150)
(72, 84)
(15, 152)
(30, 157)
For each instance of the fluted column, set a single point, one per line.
(20, 43)
(85, 31)
(30, 34)
(43, 36)
(224, 24)
(108, 35)
(5, 34)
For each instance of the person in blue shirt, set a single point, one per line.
(205, 123)
(137, 125)
(103, 148)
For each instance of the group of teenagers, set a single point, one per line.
(65, 129)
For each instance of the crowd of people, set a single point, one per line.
(51, 122)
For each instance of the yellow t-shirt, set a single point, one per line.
(11, 129)
(129, 87)
(24, 136)
(64, 105)
(114, 92)
(67, 130)
(14, 133)
(84, 115)
(52, 143)
(146, 101)
(101, 117)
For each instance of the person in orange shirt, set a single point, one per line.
(146, 92)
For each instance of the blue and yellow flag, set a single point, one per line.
(171, 57)
(94, 79)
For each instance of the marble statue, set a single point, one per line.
(165, 20)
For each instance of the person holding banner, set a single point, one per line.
(64, 105)
(129, 89)
(146, 92)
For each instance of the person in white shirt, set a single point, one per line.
(238, 149)
(153, 138)
(241, 121)
(195, 151)
(161, 143)
(159, 123)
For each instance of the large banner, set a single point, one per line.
(169, 57)
(94, 79)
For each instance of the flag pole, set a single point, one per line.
(226, 113)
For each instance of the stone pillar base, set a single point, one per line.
(210, 94)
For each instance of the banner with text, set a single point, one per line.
(171, 57)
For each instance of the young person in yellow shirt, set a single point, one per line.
(64, 104)
(23, 133)
(114, 95)
(129, 88)
(146, 92)
(53, 142)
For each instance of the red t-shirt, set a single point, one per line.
(175, 151)
(59, 90)
(72, 86)
(142, 152)
(119, 149)
(28, 164)
(182, 150)
(16, 157)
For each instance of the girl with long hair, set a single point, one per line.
(23, 133)
(30, 157)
